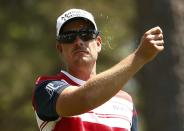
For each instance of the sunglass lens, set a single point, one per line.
(87, 35)
(68, 37)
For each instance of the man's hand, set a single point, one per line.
(151, 44)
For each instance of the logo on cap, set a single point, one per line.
(72, 14)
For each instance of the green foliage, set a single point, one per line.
(27, 48)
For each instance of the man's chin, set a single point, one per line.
(85, 59)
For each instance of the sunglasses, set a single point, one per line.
(68, 37)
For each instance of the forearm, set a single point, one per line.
(106, 84)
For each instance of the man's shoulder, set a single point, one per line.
(58, 77)
(42, 79)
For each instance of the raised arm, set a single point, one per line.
(77, 100)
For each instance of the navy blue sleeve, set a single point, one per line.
(134, 121)
(46, 95)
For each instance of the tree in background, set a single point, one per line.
(162, 81)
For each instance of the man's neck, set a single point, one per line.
(83, 73)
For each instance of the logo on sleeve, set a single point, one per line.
(54, 86)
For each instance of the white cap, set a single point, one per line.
(73, 13)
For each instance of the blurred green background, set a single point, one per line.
(27, 50)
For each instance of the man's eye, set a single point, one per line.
(84, 34)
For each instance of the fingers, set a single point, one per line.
(157, 42)
(155, 37)
(153, 31)
(159, 46)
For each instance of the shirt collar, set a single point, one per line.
(76, 80)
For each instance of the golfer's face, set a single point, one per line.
(80, 52)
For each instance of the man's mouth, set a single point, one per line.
(81, 51)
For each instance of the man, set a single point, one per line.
(79, 99)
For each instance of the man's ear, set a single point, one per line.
(99, 43)
(59, 47)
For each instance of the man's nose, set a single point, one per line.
(78, 41)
